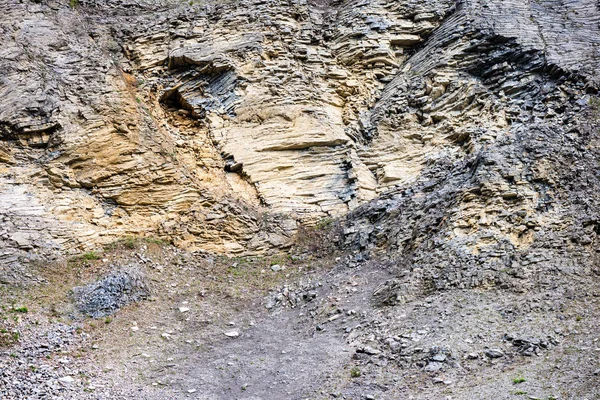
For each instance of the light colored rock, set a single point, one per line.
(66, 380)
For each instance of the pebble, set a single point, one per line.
(370, 351)
(433, 366)
(183, 309)
(232, 334)
(66, 379)
(494, 353)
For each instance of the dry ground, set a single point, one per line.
(321, 337)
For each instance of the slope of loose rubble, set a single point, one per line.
(308, 326)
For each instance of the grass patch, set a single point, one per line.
(8, 338)
(90, 256)
(323, 223)
(157, 241)
(22, 310)
(354, 372)
(518, 379)
(128, 242)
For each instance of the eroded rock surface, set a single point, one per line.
(460, 136)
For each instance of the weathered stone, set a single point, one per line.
(110, 293)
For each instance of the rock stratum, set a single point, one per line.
(221, 126)
(454, 143)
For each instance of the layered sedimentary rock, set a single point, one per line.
(287, 93)
(221, 126)
(509, 196)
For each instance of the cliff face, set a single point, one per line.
(454, 143)
(509, 199)
(221, 126)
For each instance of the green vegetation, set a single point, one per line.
(518, 379)
(73, 3)
(158, 241)
(129, 242)
(22, 310)
(90, 255)
(323, 223)
(354, 372)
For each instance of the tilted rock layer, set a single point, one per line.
(456, 131)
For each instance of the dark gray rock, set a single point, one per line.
(493, 353)
(110, 293)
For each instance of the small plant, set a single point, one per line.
(518, 379)
(354, 372)
(324, 223)
(157, 241)
(129, 242)
(90, 256)
(519, 392)
(108, 320)
(22, 310)
(73, 3)
(7, 339)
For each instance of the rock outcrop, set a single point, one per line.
(470, 127)
(508, 197)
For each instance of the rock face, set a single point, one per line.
(510, 189)
(457, 131)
